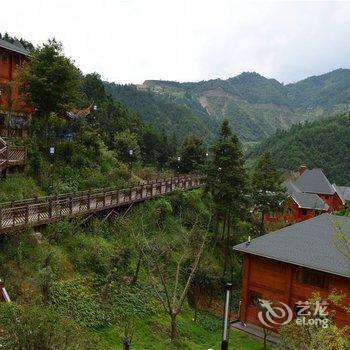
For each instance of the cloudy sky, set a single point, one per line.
(129, 41)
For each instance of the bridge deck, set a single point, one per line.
(39, 211)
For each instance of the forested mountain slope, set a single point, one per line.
(324, 144)
(177, 119)
(256, 106)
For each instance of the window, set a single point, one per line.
(253, 298)
(303, 211)
(313, 278)
(3, 57)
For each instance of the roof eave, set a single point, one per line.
(292, 262)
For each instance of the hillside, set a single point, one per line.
(178, 119)
(324, 144)
(256, 106)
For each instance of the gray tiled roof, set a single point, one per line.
(290, 187)
(343, 191)
(12, 47)
(314, 181)
(310, 243)
(309, 201)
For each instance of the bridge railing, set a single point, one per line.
(8, 131)
(11, 155)
(38, 211)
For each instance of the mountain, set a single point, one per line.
(256, 106)
(321, 144)
(178, 119)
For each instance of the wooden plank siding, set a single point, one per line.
(40, 211)
(276, 281)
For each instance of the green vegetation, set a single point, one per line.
(267, 189)
(226, 184)
(322, 144)
(80, 287)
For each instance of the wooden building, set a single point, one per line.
(311, 194)
(290, 264)
(13, 110)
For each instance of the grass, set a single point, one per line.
(152, 334)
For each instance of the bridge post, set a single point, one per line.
(89, 196)
(71, 204)
(26, 219)
(50, 207)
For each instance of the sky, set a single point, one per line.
(129, 41)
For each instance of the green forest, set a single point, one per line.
(322, 144)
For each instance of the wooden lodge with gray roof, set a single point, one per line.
(290, 264)
(310, 195)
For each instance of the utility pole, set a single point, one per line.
(226, 324)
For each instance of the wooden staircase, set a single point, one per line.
(11, 156)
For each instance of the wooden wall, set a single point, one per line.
(9, 62)
(276, 281)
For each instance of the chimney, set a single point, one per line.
(302, 169)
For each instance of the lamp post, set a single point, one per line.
(52, 158)
(226, 323)
(131, 153)
(178, 165)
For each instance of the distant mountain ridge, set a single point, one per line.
(257, 106)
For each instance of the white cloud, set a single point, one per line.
(184, 40)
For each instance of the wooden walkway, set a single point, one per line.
(10, 156)
(40, 211)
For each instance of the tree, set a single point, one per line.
(124, 142)
(51, 81)
(268, 192)
(226, 183)
(165, 260)
(192, 154)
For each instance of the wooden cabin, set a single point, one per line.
(13, 110)
(290, 264)
(310, 195)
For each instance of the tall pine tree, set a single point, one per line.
(268, 192)
(226, 182)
